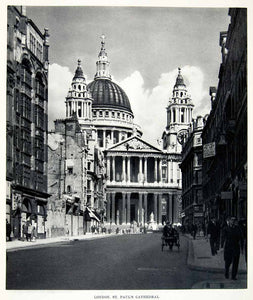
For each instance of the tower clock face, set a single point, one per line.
(181, 136)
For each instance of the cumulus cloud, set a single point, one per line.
(148, 105)
(59, 82)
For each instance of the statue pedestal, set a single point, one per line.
(152, 225)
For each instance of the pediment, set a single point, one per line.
(134, 144)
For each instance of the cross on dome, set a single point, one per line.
(103, 39)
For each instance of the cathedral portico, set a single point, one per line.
(142, 207)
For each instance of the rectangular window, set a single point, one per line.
(88, 185)
(70, 170)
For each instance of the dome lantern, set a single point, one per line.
(102, 63)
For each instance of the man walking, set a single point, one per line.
(213, 233)
(233, 239)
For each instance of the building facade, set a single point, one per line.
(27, 119)
(225, 132)
(191, 166)
(67, 177)
(133, 183)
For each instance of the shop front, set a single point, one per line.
(28, 207)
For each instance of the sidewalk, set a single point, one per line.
(200, 259)
(19, 245)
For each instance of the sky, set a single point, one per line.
(145, 47)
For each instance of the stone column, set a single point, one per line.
(109, 168)
(160, 209)
(140, 169)
(112, 136)
(169, 162)
(108, 207)
(155, 177)
(113, 168)
(140, 209)
(123, 168)
(160, 170)
(85, 110)
(113, 208)
(170, 208)
(155, 208)
(175, 209)
(104, 138)
(123, 211)
(145, 208)
(128, 170)
(128, 207)
(145, 170)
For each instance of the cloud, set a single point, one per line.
(59, 82)
(148, 105)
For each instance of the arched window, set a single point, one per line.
(40, 87)
(174, 115)
(68, 189)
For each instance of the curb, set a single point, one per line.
(64, 240)
(192, 266)
(220, 284)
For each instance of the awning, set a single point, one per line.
(93, 215)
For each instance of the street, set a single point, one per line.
(118, 262)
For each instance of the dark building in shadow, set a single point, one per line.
(225, 132)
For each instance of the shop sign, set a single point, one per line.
(227, 195)
(8, 190)
(198, 214)
(209, 150)
(16, 201)
(40, 224)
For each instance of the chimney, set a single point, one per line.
(23, 10)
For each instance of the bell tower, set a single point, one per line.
(79, 101)
(179, 115)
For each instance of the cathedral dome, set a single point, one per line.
(107, 94)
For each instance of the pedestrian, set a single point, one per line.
(29, 232)
(8, 231)
(213, 233)
(233, 239)
(33, 236)
(194, 230)
(243, 227)
(25, 230)
(223, 225)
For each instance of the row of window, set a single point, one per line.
(112, 114)
(36, 47)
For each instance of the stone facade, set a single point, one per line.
(27, 118)
(67, 177)
(191, 166)
(225, 169)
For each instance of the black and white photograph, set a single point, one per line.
(125, 157)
